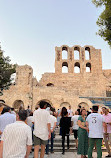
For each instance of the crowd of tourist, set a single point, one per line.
(20, 130)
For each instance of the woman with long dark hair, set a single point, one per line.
(65, 124)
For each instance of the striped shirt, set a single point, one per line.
(16, 137)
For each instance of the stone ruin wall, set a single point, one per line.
(59, 88)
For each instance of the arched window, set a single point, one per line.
(64, 67)
(87, 53)
(76, 53)
(50, 85)
(64, 53)
(88, 67)
(77, 68)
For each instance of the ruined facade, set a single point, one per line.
(84, 78)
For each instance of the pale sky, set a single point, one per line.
(30, 30)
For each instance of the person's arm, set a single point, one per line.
(81, 126)
(0, 132)
(1, 149)
(87, 125)
(29, 147)
(105, 127)
(72, 123)
(70, 130)
(54, 127)
(49, 126)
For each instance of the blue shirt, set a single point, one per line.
(5, 119)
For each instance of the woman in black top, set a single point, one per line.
(65, 124)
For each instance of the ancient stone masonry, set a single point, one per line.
(84, 78)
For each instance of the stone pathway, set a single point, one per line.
(68, 155)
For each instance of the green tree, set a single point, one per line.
(104, 20)
(6, 70)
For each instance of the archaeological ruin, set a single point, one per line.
(78, 80)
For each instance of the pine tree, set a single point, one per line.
(104, 20)
(6, 70)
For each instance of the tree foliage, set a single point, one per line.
(104, 20)
(6, 70)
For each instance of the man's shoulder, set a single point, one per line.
(75, 116)
(11, 125)
(12, 115)
(94, 115)
(89, 116)
(41, 112)
(53, 117)
(109, 114)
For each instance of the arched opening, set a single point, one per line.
(50, 85)
(88, 67)
(64, 67)
(64, 104)
(49, 104)
(77, 68)
(87, 53)
(17, 104)
(1, 100)
(84, 105)
(76, 53)
(64, 53)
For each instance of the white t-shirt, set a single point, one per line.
(74, 119)
(52, 121)
(70, 113)
(95, 122)
(29, 121)
(16, 137)
(41, 118)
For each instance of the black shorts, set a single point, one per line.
(75, 133)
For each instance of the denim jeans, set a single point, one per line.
(52, 141)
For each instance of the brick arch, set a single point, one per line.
(65, 64)
(65, 52)
(65, 47)
(85, 101)
(65, 104)
(88, 67)
(87, 53)
(17, 104)
(50, 85)
(84, 104)
(46, 100)
(77, 67)
(77, 50)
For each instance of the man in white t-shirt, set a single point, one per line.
(53, 121)
(42, 131)
(75, 126)
(16, 140)
(95, 122)
(70, 112)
